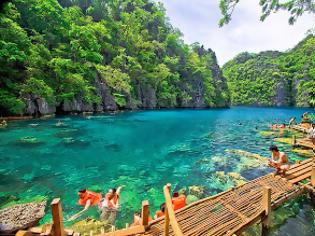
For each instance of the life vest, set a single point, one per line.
(159, 214)
(110, 199)
(275, 126)
(282, 126)
(95, 198)
(179, 202)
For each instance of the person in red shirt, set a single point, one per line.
(87, 198)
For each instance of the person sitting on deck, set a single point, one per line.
(137, 218)
(279, 160)
(178, 201)
(311, 133)
(110, 205)
(160, 212)
(87, 198)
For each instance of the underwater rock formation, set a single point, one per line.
(191, 199)
(86, 226)
(21, 216)
(197, 191)
(233, 177)
(285, 140)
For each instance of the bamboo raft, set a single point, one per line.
(300, 128)
(304, 142)
(232, 211)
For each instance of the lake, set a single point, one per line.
(142, 151)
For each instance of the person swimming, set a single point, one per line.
(279, 160)
(87, 199)
(110, 205)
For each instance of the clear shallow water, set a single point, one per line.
(141, 150)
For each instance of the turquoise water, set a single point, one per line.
(140, 150)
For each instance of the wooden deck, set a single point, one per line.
(232, 211)
(300, 128)
(304, 142)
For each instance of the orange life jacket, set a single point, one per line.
(95, 198)
(109, 198)
(179, 202)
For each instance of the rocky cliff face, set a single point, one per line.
(145, 94)
(274, 78)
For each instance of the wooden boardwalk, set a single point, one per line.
(232, 211)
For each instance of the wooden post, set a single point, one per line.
(313, 176)
(145, 213)
(170, 217)
(56, 212)
(266, 204)
(167, 222)
(167, 217)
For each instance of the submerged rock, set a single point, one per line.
(303, 152)
(285, 140)
(197, 191)
(191, 199)
(233, 177)
(86, 226)
(21, 216)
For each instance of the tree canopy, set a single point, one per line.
(100, 55)
(295, 8)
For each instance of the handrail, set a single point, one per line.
(170, 214)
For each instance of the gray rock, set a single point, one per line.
(21, 216)
(108, 100)
(76, 105)
(37, 106)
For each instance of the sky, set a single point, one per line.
(198, 21)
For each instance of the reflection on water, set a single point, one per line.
(140, 150)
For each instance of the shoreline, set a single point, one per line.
(90, 113)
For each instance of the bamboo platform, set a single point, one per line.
(300, 128)
(232, 211)
(304, 142)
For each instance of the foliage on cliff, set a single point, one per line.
(105, 54)
(273, 78)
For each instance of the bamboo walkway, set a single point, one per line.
(232, 211)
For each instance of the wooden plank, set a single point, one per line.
(300, 178)
(299, 167)
(298, 173)
(23, 233)
(125, 232)
(170, 212)
(266, 204)
(145, 213)
(56, 212)
(313, 177)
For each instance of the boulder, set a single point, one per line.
(21, 216)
